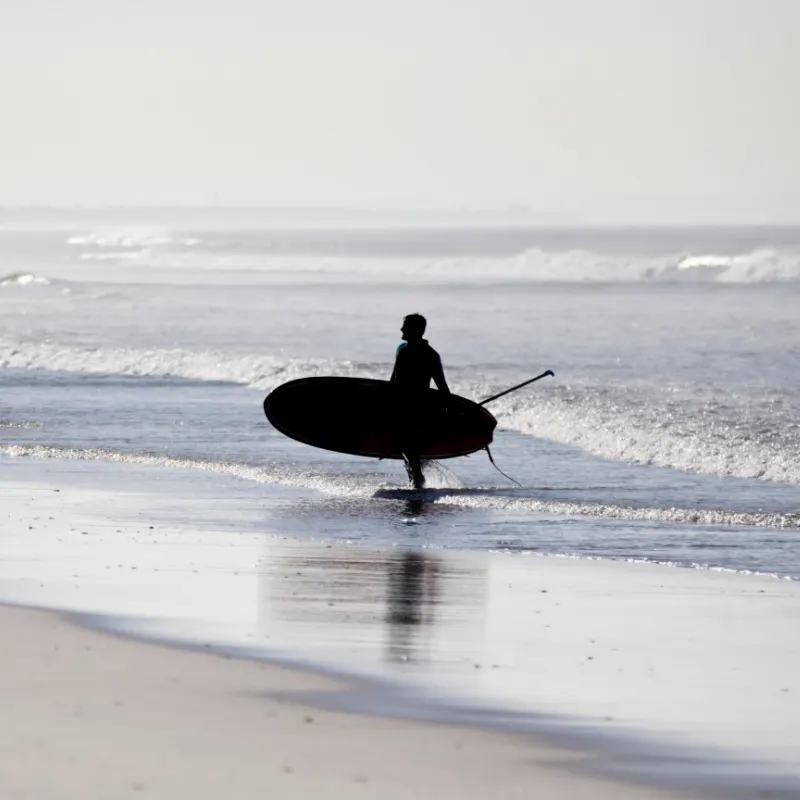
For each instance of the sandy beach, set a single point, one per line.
(93, 716)
(458, 673)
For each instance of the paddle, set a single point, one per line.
(514, 388)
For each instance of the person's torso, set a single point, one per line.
(415, 364)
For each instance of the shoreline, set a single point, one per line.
(437, 631)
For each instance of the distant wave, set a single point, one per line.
(129, 245)
(127, 255)
(128, 238)
(533, 266)
(579, 266)
(165, 250)
(23, 279)
(759, 266)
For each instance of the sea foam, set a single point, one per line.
(23, 279)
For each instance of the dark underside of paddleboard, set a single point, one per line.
(367, 417)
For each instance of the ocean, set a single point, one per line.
(670, 433)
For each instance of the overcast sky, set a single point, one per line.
(613, 110)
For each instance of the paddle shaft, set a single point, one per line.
(514, 388)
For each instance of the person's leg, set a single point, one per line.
(411, 420)
(414, 470)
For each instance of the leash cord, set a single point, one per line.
(489, 453)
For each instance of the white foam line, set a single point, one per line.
(683, 516)
(527, 552)
(331, 486)
(258, 372)
(266, 474)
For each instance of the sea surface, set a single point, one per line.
(670, 432)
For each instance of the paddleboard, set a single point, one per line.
(361, 417)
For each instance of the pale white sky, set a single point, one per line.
(610, 109)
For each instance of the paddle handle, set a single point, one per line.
(545, 374)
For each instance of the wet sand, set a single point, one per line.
(563, 675)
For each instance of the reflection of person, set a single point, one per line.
(416, 365)
(413, 593)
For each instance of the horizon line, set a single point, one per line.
(512, 214)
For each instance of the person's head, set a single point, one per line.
(413, 327)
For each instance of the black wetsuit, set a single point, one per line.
(416, 365)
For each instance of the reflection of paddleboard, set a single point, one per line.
(360, 416)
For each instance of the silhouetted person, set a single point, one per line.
(416, 365)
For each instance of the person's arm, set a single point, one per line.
(438, 374)
(396, 360)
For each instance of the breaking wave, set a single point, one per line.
(760, 440)
(23, 279)
(259, 372)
